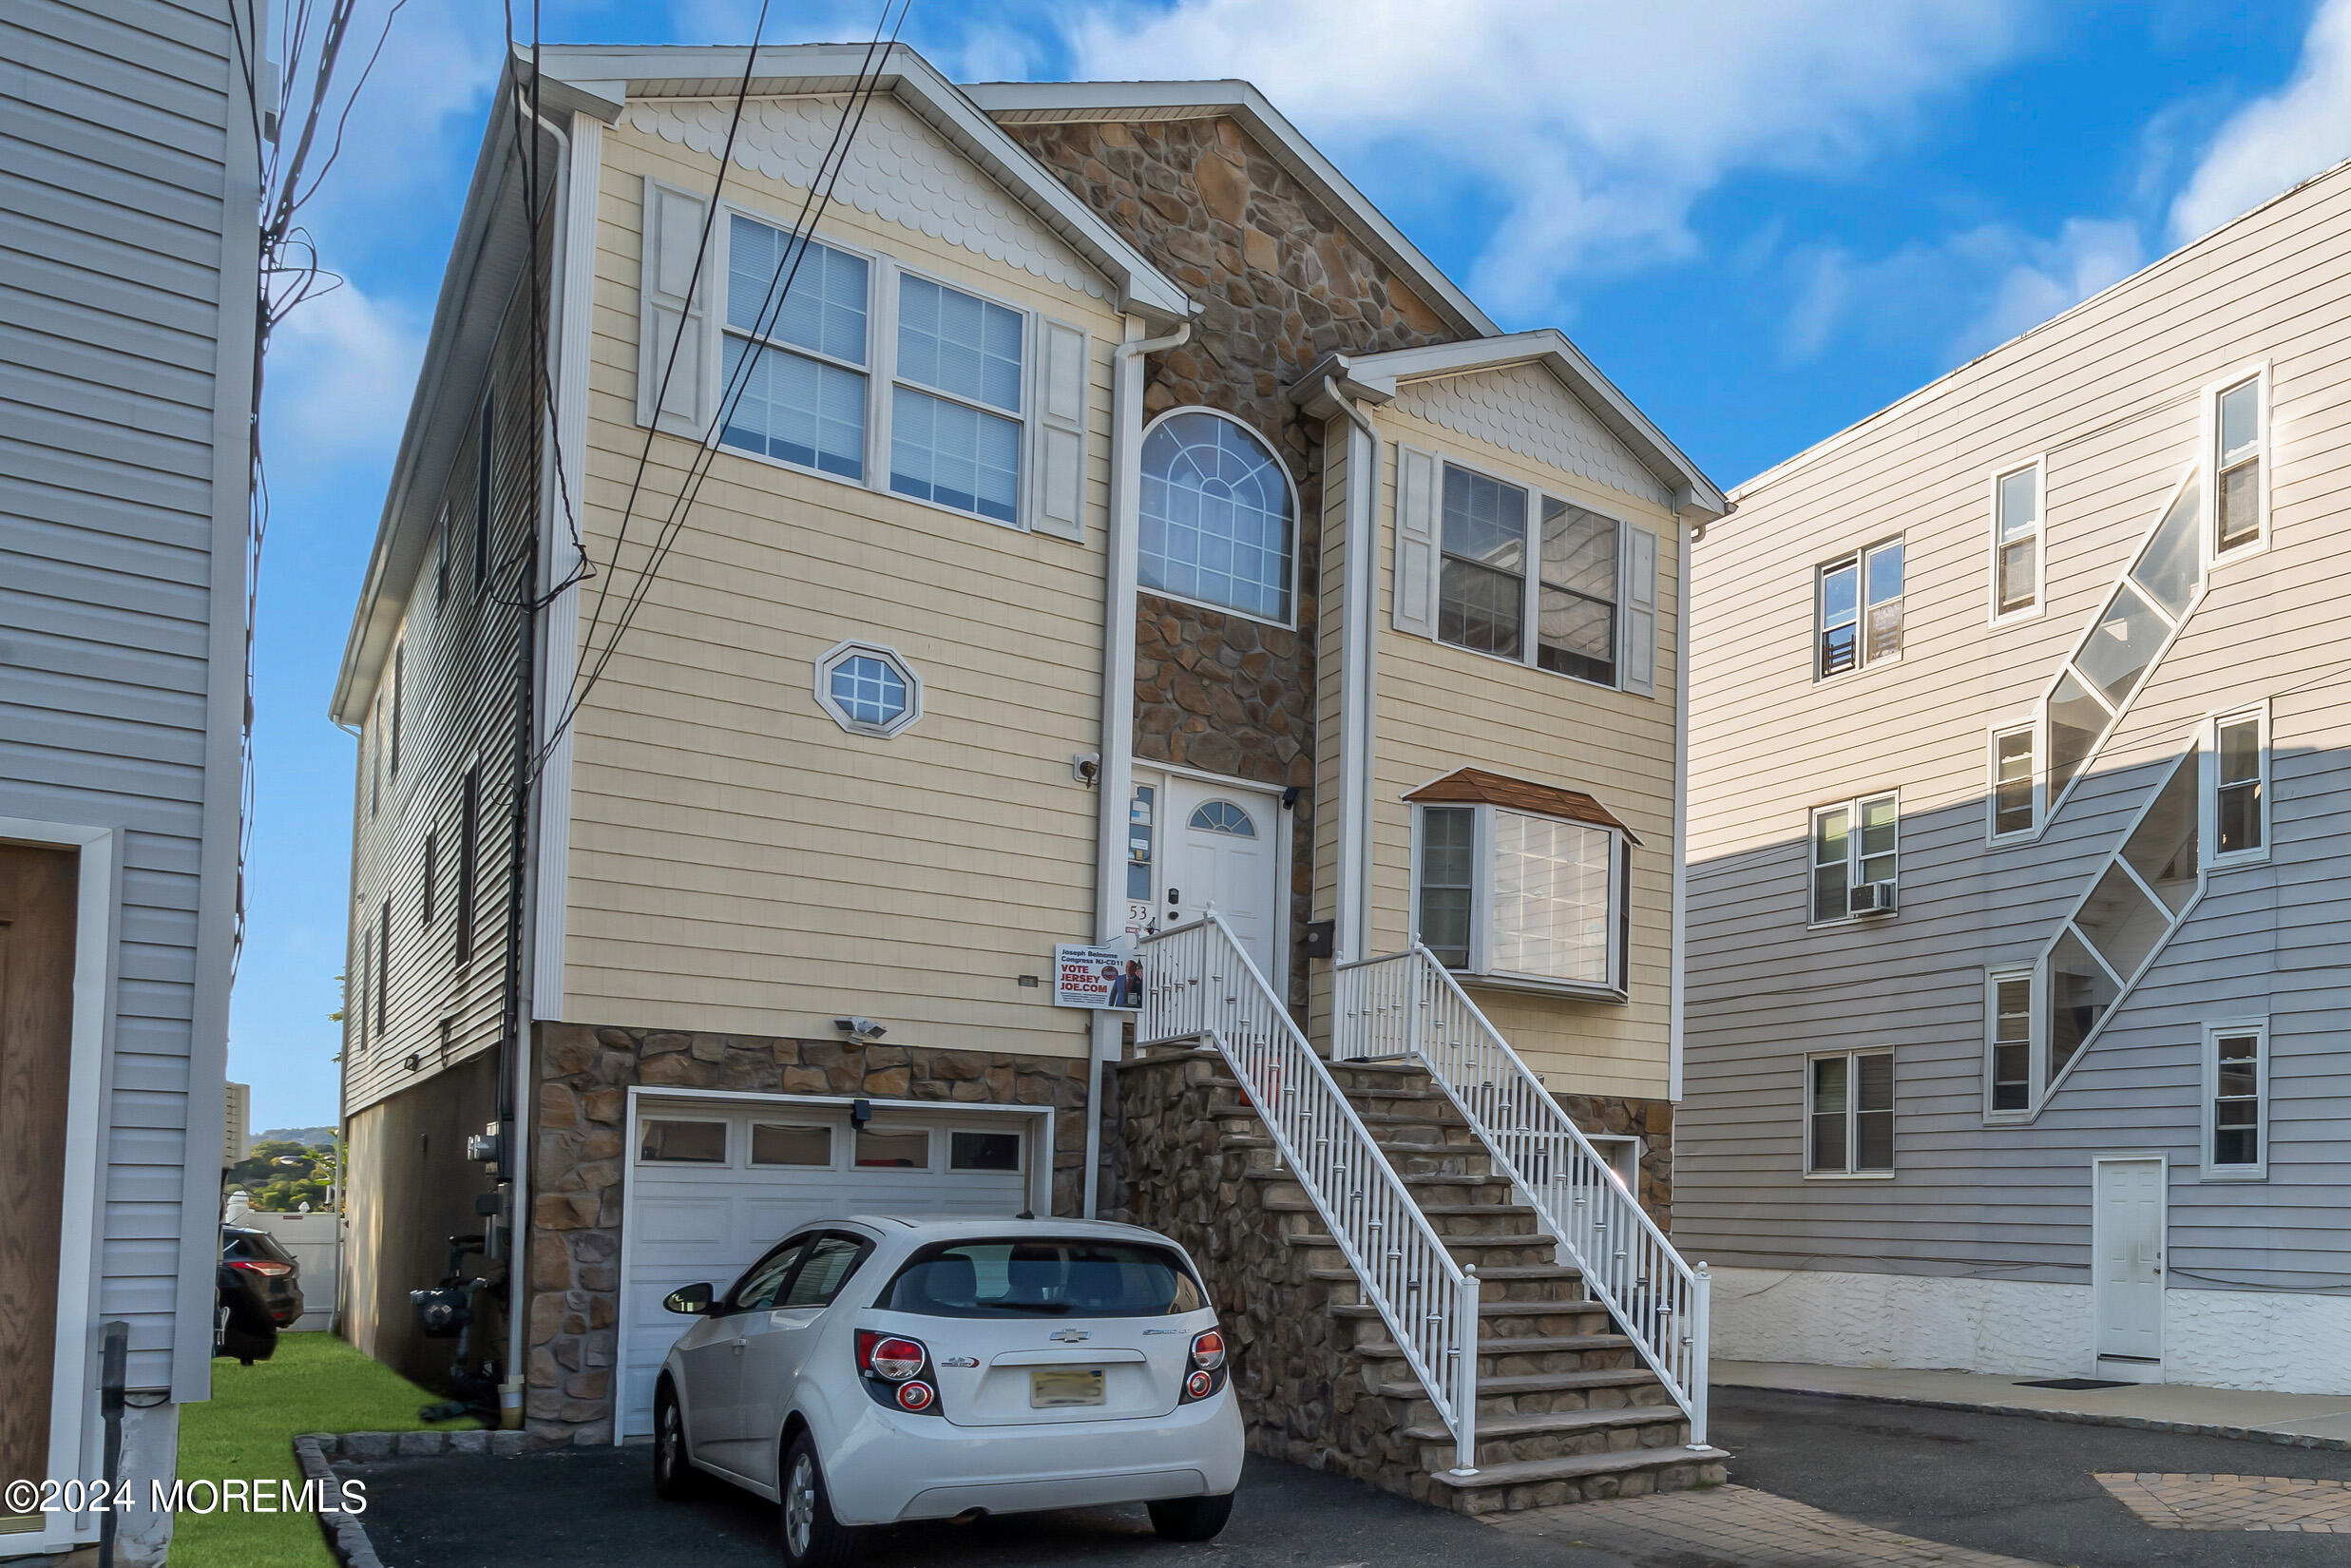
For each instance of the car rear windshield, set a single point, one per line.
(254, 1244)
(1043, 1277)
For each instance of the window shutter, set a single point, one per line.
(1057, 487)
(674, 220)
(1640, 612)
(1416, 542)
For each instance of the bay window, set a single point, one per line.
(1523, 898)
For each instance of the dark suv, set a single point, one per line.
(266, 1268)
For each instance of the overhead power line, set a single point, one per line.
(818, 197)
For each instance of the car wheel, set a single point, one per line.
(674, 1478)
(1191, 1518)
(812, 1538)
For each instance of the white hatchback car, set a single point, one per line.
(871, 1369)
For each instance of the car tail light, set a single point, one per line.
(915, 1396)
(892, 1357)
(1208, 1366)
(267, 1271)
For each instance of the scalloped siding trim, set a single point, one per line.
(898, 169)
(1524, 409)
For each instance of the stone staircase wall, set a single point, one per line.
(1303, 1394)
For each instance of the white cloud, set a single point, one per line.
(340, 370)
(2270, 144)
(1996, 279)
(1598, 125)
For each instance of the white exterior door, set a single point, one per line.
(713, 1184)
(1223, 850)
(2128, 1231)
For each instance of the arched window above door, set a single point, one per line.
(1222, 816)
(1218, 516)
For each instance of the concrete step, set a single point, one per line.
(1603, 1389)
(1534, 1355)
(1484, 1250)
(1503, 1429)
(1501, 1323)
(1582, 1478)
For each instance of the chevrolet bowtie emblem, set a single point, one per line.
(1071, 1336)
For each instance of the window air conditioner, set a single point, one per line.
(1872, 898)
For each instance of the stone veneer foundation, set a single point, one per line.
(1651, 1121)
(577, 1157)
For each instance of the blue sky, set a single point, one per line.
(1764, 221)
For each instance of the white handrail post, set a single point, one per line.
(1466, 1384)
(1701, 1322)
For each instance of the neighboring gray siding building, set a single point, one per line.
(1966, 1133)
(127, 255)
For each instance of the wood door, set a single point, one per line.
(36, 1062)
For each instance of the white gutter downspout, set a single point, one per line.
(1114, 776)
(1353, 910)
(1686, 538)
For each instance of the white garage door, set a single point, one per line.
(713, 1184)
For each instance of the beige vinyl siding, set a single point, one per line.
(460, 673)
(739, 863)
(1437, 708)
(2114, 394)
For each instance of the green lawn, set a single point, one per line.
(316, 1383)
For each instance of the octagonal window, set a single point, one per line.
(867, 689)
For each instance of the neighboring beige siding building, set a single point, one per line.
(2017, 747)
(1003, 610)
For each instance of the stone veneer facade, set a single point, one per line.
(1651, 1121)
(1281, 283)
(581, 1119)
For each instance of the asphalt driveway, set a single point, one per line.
(1997, 1484)
(595, 1508)
(2005, 1484)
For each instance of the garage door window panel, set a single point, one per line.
(984, 1150)
(683, 1143)
(892, 1149)
(804, 1147)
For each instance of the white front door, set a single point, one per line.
(1222, 851)
(2127, 1231)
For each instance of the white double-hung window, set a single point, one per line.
(1856, 857)
(955, 412)
(845, 363)
(1857, 610)
(2240, 497)
(2017, 534)
(1522, 898)
(2236, 1100)
(1533, 577)
(802, 398)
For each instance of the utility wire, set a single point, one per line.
(669, 366)
(779, 288)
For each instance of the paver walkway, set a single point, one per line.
(1737, 1524)
(2235, 1502)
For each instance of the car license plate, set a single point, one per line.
(1061, 1387)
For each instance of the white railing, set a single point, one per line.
(1200, 983)
(1408, 1005)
